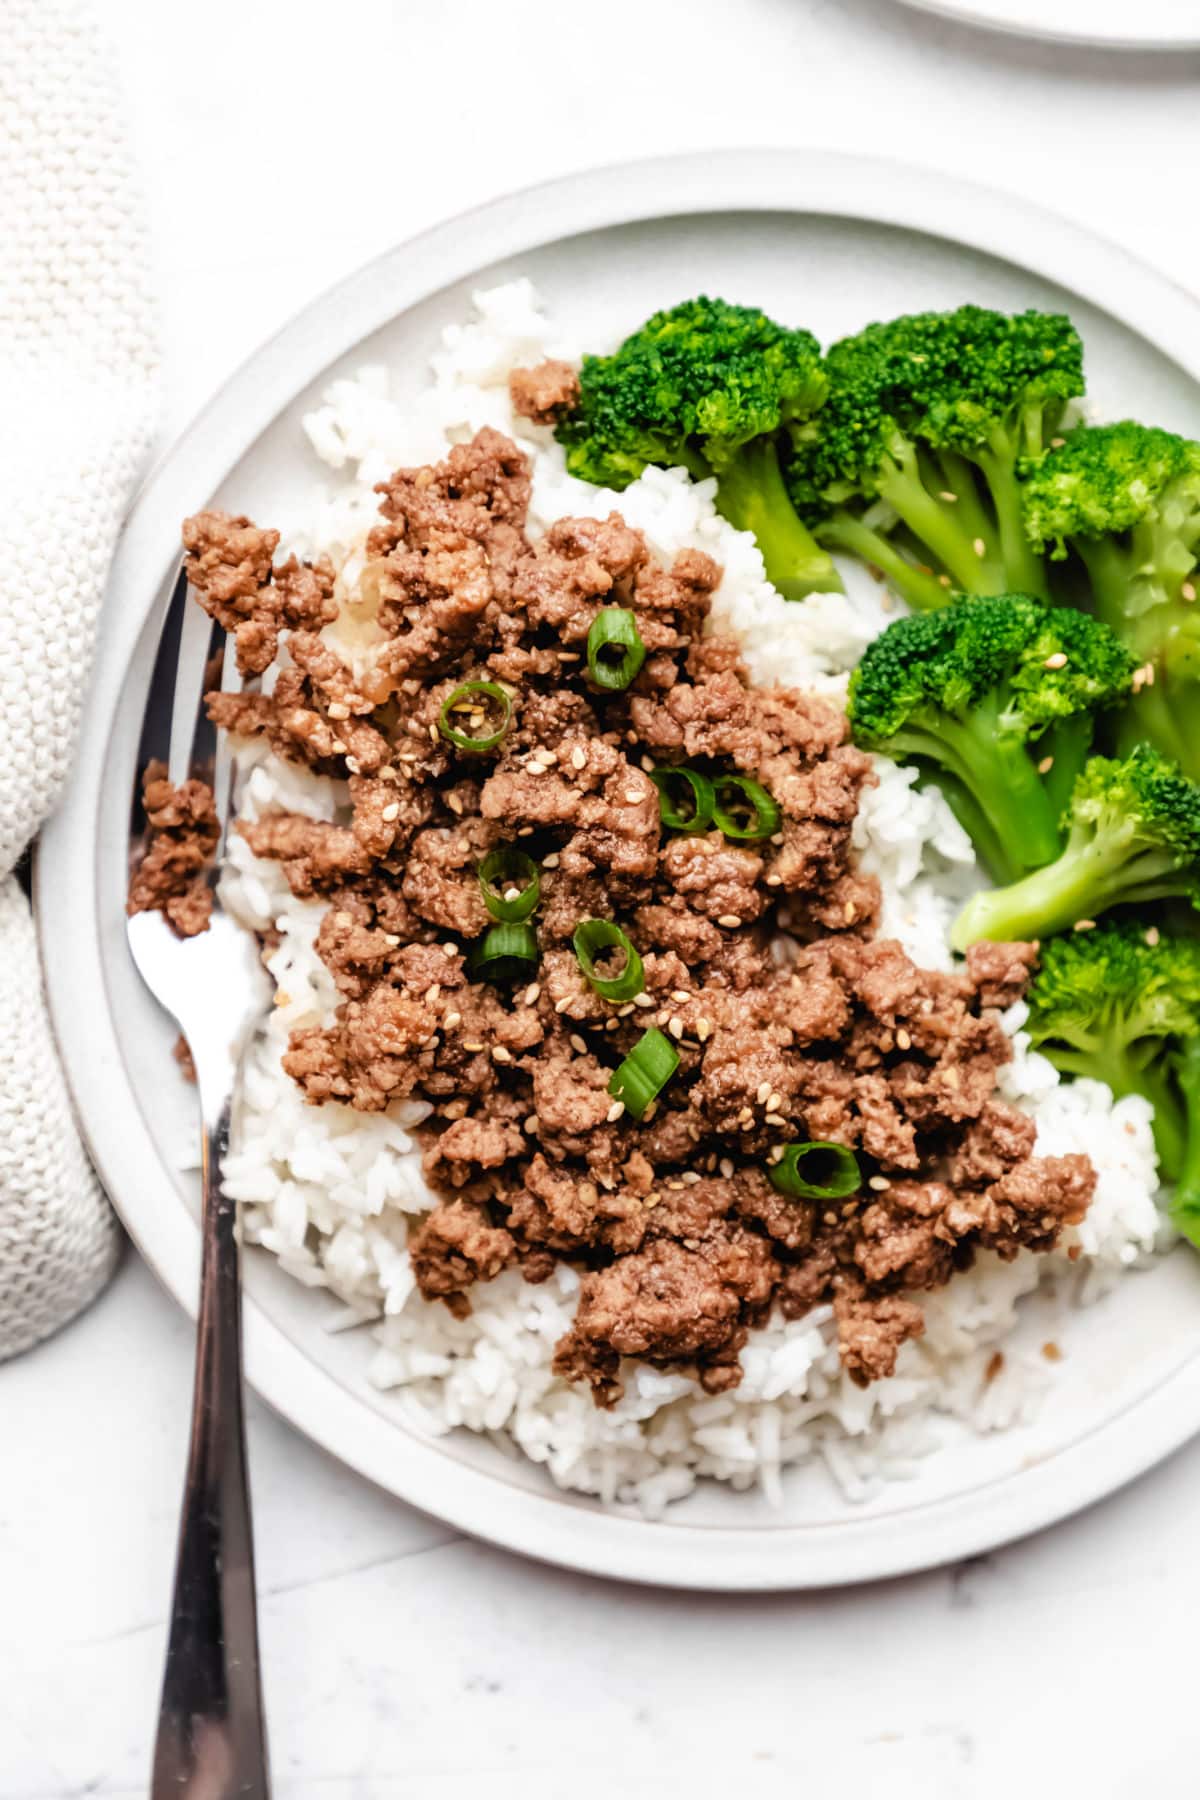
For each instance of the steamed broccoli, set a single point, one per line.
(710, 386)
(1133, 834)
(995, 698)
(1122, 1004)
(912, 462)
(1126, 499)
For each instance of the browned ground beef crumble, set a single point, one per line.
(828, 1033)
(182, 832)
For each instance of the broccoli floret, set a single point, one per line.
(995, 698)
(1133, 834)
(710, 386)
(1126, 499)
(912, 462)
(1122, 1004)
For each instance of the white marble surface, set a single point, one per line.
(283, 144)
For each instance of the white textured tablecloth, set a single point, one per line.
(78, 398)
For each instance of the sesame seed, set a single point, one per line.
(651, 1200)
(551, 861)
(642, 999)
(880, 1183)
(577, 1044)
(945, 494)
(1188, 591)
(614, 1112)
(903, 1041)
(675, 1027)
(979, 546)
(535, 768)
(1045, 766)
(649, 1111)
(623, 1012)
(774, 880)
(560, 1006)
(730, 920)
(676, 1187)
(777, 837)
(531, 993)
(680, 994)
(533, 1125)
(455, 804)
(661, 1018)
(703, 1029)
(775, 1103)
(726, 1167)
(449, 949)
(500, 1054)
(1057, 443)
(353, 764)
(610, 1024)
(775, 1121)
(455, 1109)
(392, 939)
(1056, 661)
(432, 992)
(433, 734)
(633, 796)
(849, 912)
(282, 997)
(943, 581)
(648, 764)
(391, 812)
(512, 893)
(549, 757)
(1084, 925)
(745, 1117)
(764, 1090)
(525, 831)
(1153, 936)
(775, 1153)
(472, 1044)
(451, 1020)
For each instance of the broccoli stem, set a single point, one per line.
(957, 477)
(752, 495)
(997, 773)
(1151, 717)
(1096, 870)
(978, 827)
(934, 523)
(1185, 1208)
(842, 531)
(1068, 742)
(1024, 569)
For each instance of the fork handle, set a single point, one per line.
(211, 1742)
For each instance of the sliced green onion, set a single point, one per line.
(473, 700)
(700, 800)
(817, 1171)
(510, 883)
(602, 934)
(615, 651)
(743, 809)
(504, 953)
(645, 1072)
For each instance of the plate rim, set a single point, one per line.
(549, 1525)
(962, 12)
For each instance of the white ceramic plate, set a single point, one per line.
(824, 239)
(1105, 24)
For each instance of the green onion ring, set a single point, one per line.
(602, 934)
(743, 792)
(462, 740)
(832, 1172)
(700, 817)
(504, 869)
(614, 628)
(504, 953)
(645, 1072)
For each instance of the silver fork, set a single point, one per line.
(211, 1738)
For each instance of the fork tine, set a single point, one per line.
(154, 744)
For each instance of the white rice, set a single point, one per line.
(331, 1192)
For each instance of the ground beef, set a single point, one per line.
(791, 1021)
(182, 830)
(545, 392)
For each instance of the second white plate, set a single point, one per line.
(1106, 24)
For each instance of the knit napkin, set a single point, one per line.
(78, 407)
